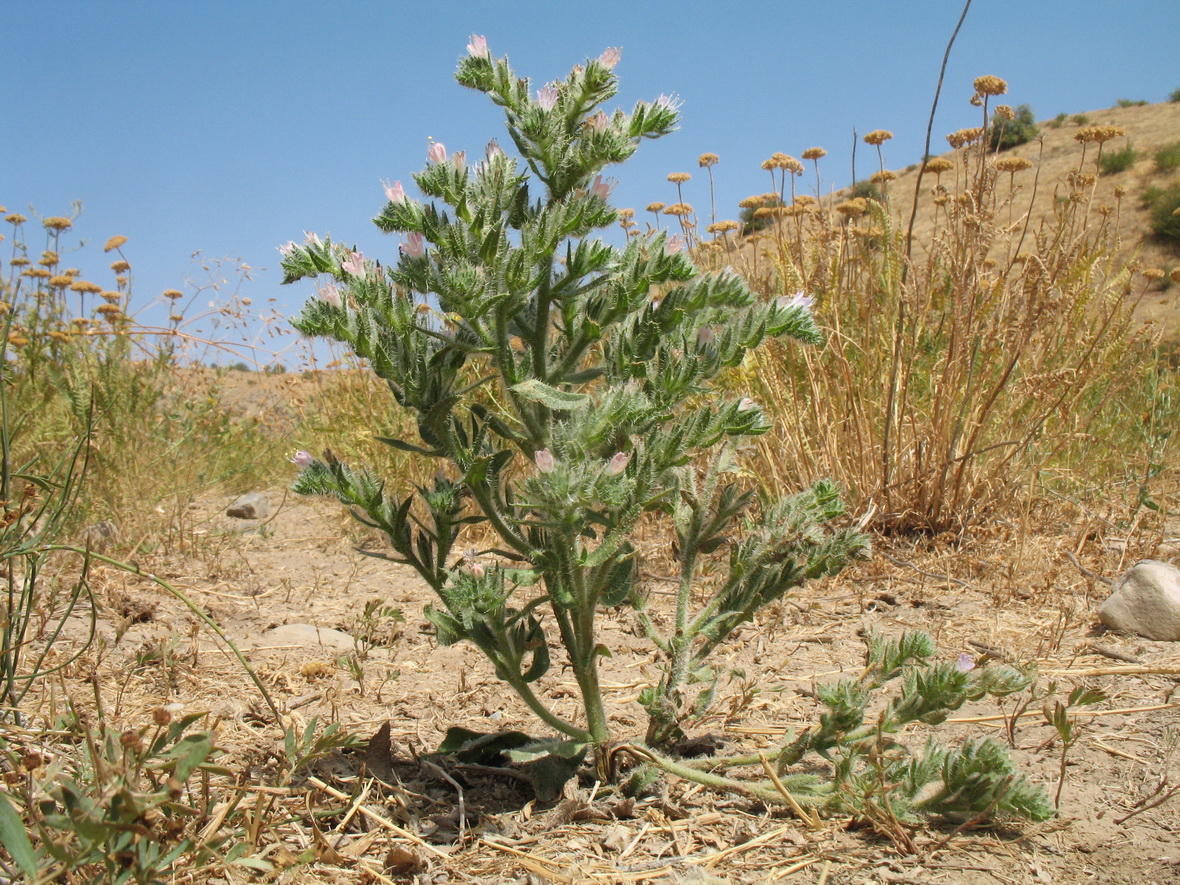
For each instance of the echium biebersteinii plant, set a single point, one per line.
(566, 386)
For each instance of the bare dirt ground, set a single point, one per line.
(1011, 588)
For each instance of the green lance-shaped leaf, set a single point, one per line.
(537, 391)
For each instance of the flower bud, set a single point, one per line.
(544, 461)
(617, 464)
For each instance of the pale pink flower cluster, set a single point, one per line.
(478, 570)
(598, 122)
(800, 300)
(547, 97)
(354, 264)
(673, 244)
(478, 47)
(415, 246)
(610, 57)
(668, 102)
(706, 335)
(545, 461)
(301, 459)
(617, 464)
(601, 188)
(331, 295)
(395, 193)
(747, 404)
(311, 238)
(287, 248)
(437, 153)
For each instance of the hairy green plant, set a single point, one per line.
(873, 773)
(565, 388)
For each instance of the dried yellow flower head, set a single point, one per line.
(49, 259)
(708, 159)
(883, 176)
(120, 266)
(626, 213)
(769, 197)
(59, 336)
(654, 207)
(938, 165)
(1154, 273)
(17, 340)
(1174, 276)
(814, 153)
(1013, 165)
(878, 136)
(60, 281)
(678, 209)
(111, 297)
(38, 272)
(173, 294)
(805, 200)
(679, 177)
(1120, 191)
(15, 218)
(751, 202)
(114, 242)
(19, 261)
(1098, 134)
(963, 137)
(110, 311)
(763, 212)
(1005, 112)
(989, 85)
(85, 286)
(854, 207)
(57, 223)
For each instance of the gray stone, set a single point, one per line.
(1145, 601)
(100, 536)
(308, 636)
(252, 505)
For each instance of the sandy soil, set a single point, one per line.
(1009, 588)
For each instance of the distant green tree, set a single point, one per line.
(1007, 133)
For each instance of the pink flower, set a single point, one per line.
(545, 461)
(395, 193)
(311, 238)
(478, 47)
(354, 264)
(610, 57)
(598, 122)
(478, 570)
(800, 300)
(493, 150)
(301, 459)
(547, 97)
(331, 295)
(673, 244)
(747, 404)
(965, 663)
(617, 464)
(437, 153)
(287, 248)
(415, 246)
(706, 335)
(601, 188)
(668, 102)
(459, 159)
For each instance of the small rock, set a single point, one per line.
(252, 505)
(1145, 601)
(100, 536)
(308, 635)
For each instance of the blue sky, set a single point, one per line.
(231, 127)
